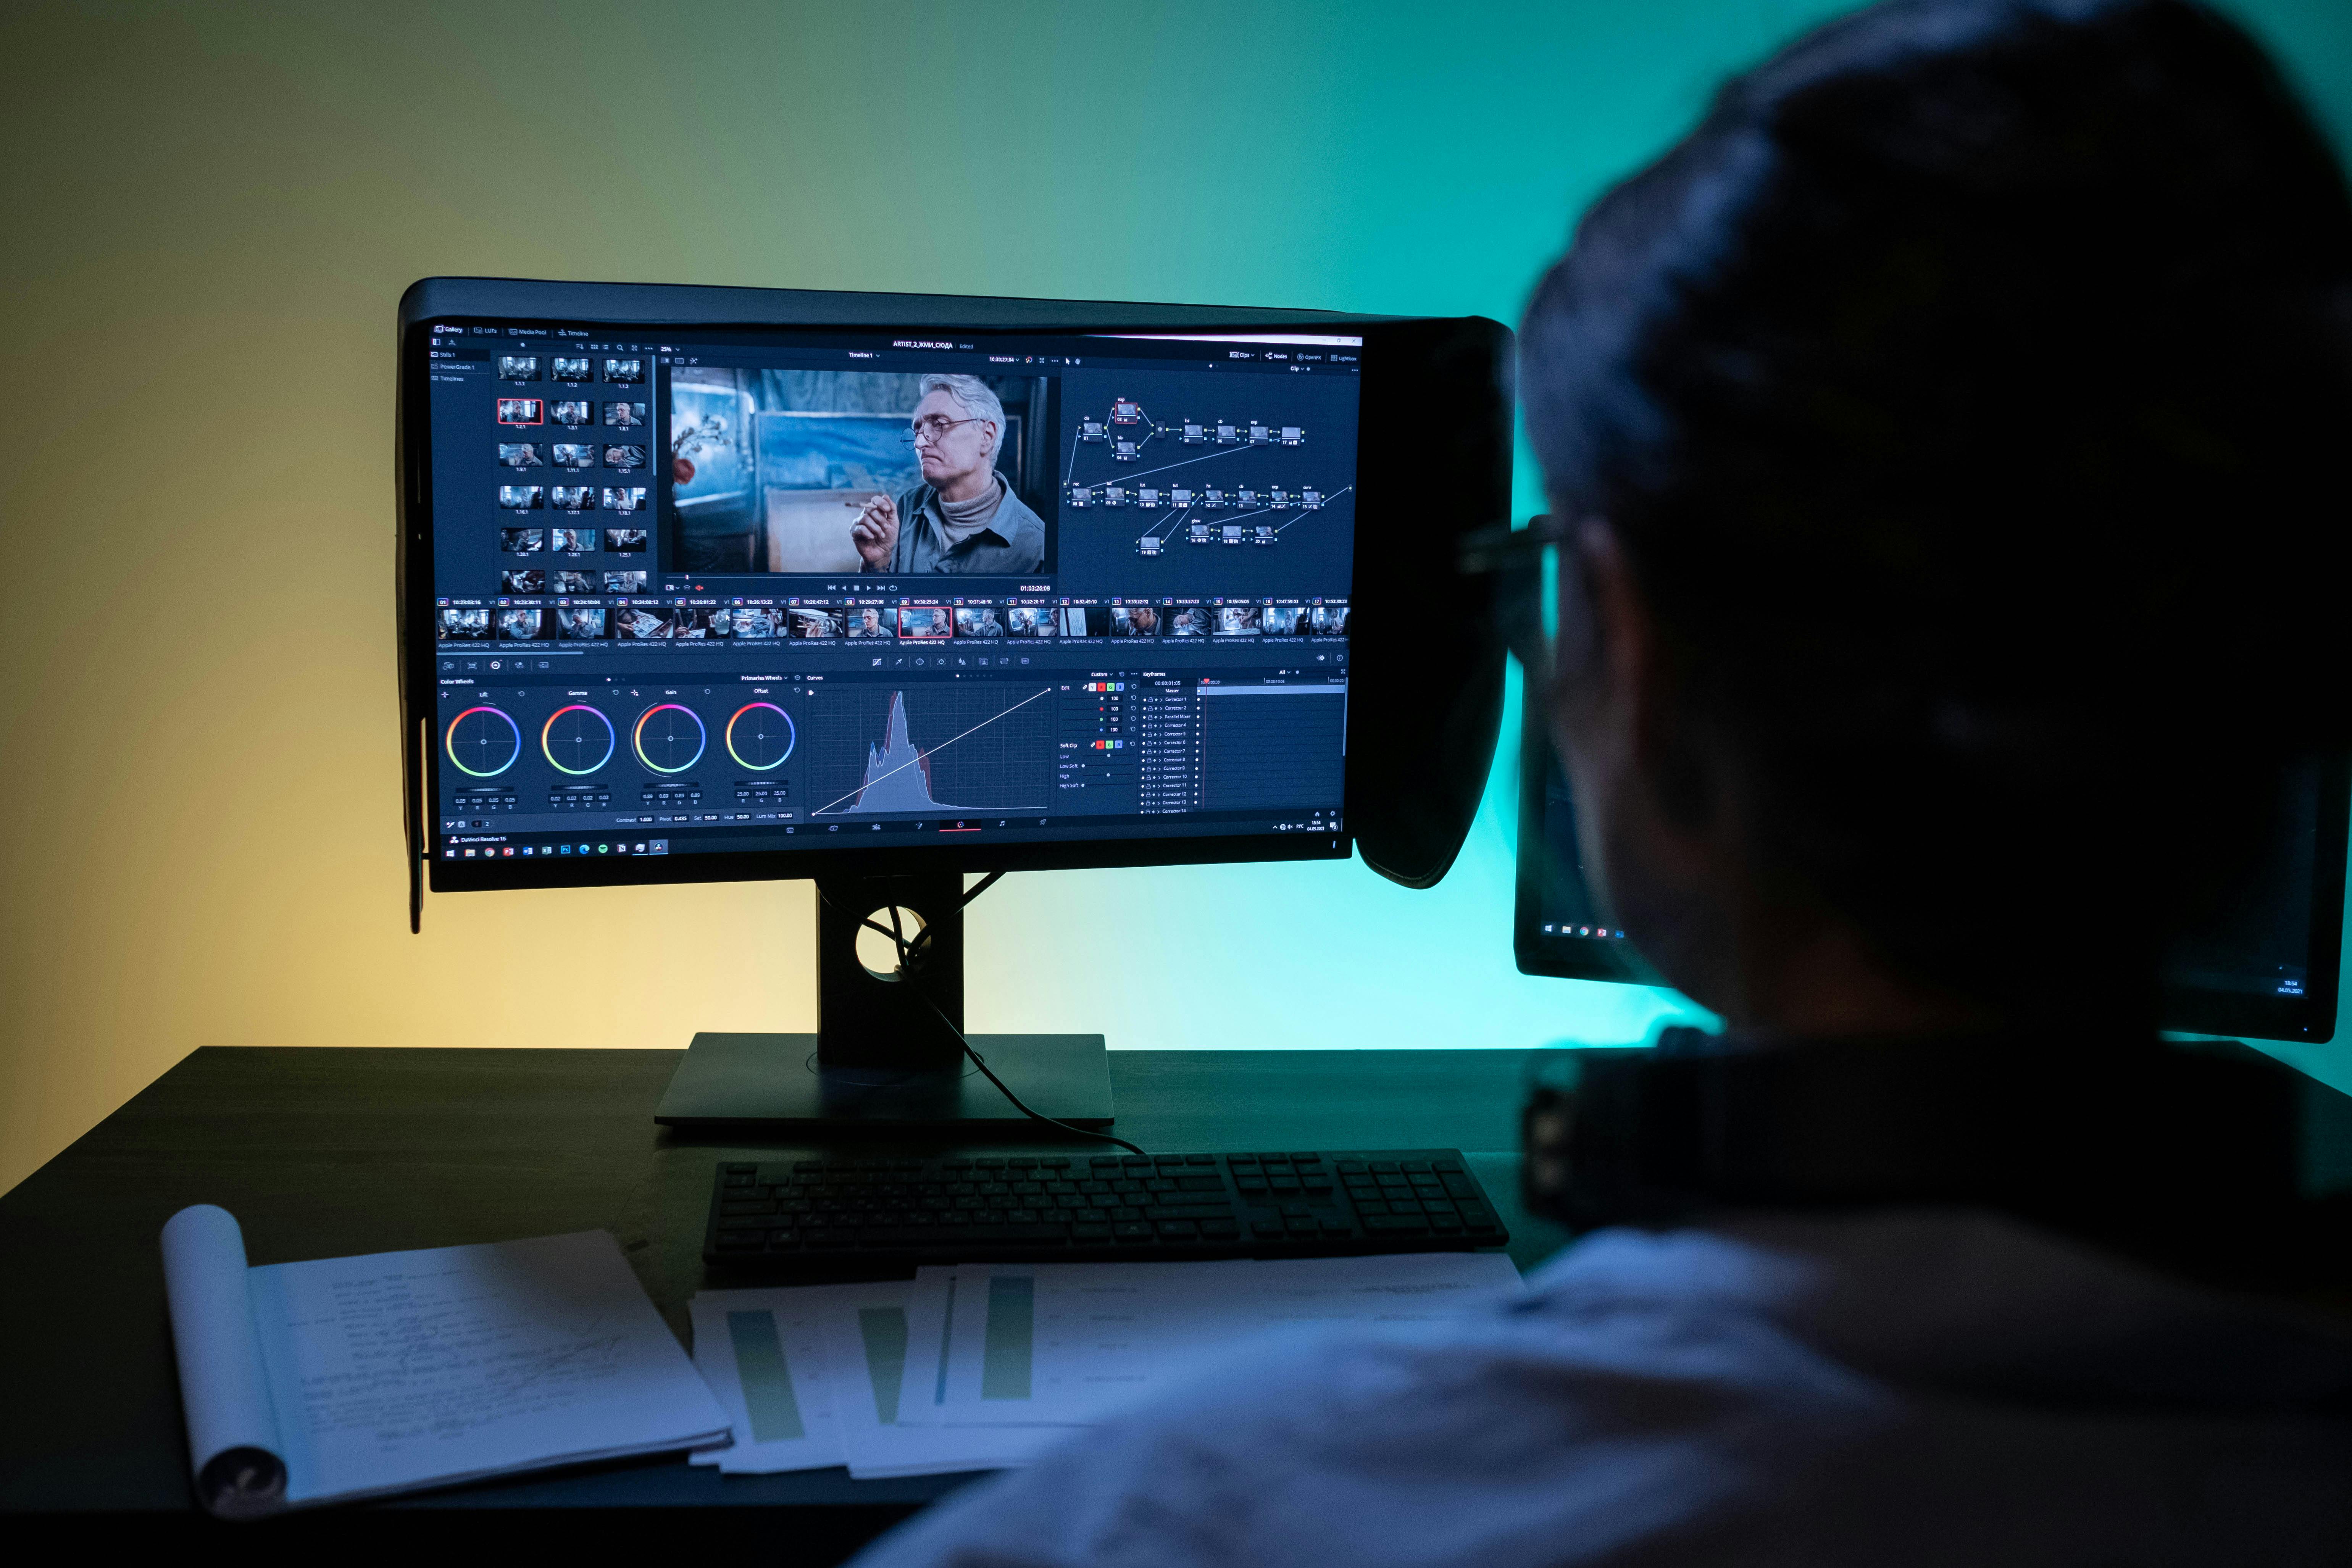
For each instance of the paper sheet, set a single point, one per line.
(1073, 1343)
(765, 1355)
(223, 1392)
(986, 1367)
(894, 1430)
(406, 1368)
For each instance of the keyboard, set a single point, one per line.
(1086, 1207)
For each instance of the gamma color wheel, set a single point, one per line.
(577, 739)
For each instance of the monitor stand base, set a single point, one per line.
(773, 1084)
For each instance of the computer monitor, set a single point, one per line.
(2269, 970)
(718, 583)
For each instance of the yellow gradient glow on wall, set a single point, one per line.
(210, 214)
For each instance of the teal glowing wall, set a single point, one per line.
(210, 214)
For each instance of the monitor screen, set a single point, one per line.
(711, 591)
(2266, 968)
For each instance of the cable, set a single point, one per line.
(907, 951)
(982, 1063)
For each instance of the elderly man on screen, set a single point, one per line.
(963, 517)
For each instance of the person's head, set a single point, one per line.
(959, 425)
(871, 619)
(1952, 429)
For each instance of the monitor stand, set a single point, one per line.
(881, 1061)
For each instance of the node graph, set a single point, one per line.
(1215, 508)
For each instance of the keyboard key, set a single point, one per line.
(1134, 1230)
(1265, 1226)
(1178, 1227)
(1022, 1232)
(1087, 1232)
(1394, 1223)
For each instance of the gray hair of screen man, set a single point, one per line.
(978, 401)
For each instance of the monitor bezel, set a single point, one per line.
(2308, 1019)
(1394, 496)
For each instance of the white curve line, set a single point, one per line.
(942, 746)
(1072, 466)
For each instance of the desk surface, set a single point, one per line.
(322, 1152)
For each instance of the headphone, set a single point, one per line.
(2183, 1157)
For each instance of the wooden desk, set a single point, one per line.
(325, 1153)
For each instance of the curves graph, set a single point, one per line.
(897, 778)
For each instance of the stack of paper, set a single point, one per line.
(984, 1366)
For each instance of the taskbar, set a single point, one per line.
(611, 842)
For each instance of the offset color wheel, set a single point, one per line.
(760, 736)
(669, 738)
(483, 742)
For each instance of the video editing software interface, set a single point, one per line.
(719, 590)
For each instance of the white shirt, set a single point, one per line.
(1906, 1388)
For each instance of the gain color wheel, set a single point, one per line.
(669, 738)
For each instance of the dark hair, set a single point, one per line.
(1972, 392)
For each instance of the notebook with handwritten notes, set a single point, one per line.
(352, 1377)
